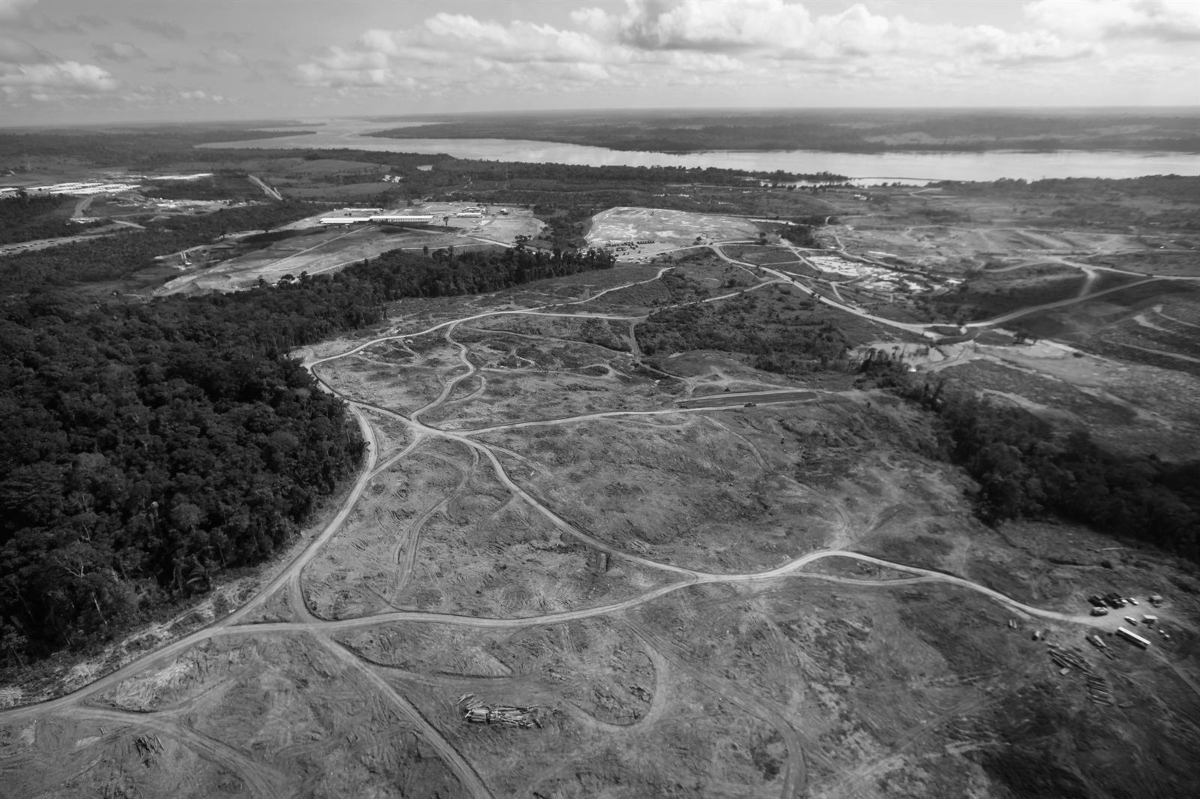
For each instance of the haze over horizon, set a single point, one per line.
(104, 61)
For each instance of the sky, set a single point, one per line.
(104, 61)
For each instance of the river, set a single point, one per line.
(867, 169)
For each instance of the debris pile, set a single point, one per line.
(148, 746)
(476, 712)
(1098, 690)
(1068, 660)
(1097, 686)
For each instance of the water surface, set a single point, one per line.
(869, 168)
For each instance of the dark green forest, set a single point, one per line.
(142, 146)
(124, 254)
(31, 218)
(224, 184)
(147, 446)
(780, 339)
(1027, 468)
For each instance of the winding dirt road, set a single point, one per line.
(287, 581)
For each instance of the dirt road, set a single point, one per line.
(267, 190)
(286, 582)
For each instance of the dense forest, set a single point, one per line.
(1027, 468)
(124, 254)
(140, 146)
(32, 218)
(783, 341)
(224, 184)
(146, 446)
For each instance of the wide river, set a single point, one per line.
(884, 167)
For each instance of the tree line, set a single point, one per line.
(124, 254)
(147, 446)
(28, 218)
(781, 341)
(1027, 468)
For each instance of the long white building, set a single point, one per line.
(359, 220)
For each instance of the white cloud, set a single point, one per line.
(159, 96)
(27, 72)
(705, 25)
(68, 76)
(780, 29)
(1167, 20)
(725, 44)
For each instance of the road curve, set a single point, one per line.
(692, 578)
(237, 623)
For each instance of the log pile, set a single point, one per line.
(1097, 686)
(475, 711)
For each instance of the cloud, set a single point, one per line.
(56, 80)
(161, 96)
(732, 45)
(786, 30)
(1165, 20)
(15, 51)
(120, 52)
(14, 9)
(199, 95)
(163, 29)
(226, 58)
(705, 25)
(233, 37)
(27, 72)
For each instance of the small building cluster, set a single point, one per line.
(72, 189)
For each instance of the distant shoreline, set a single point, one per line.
(921, 166)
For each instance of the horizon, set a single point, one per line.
(259, 123)
(104, 62)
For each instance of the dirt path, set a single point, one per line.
(404, 552)
(264, 782)
(1165, 353)
(465, 772)
(1008, 317)
(791, 569)
(267, 190)
(795, 778)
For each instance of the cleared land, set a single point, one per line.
(317, 248)
(698, 598)
(638, 234)
(696, 577)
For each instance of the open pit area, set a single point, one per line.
(638, 234)
(569, 569)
